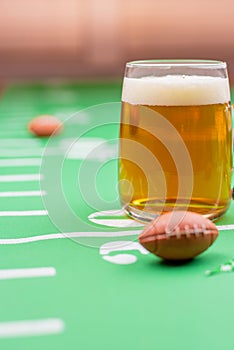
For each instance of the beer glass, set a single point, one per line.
(175, 138)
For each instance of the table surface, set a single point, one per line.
(74, 277)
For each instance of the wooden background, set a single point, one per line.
(94, 38)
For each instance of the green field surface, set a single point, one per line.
(72, 275)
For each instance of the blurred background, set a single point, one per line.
(94, 38)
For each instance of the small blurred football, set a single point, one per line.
(45, 125)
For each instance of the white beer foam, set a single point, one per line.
(176, 90)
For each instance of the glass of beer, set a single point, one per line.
(175, 138)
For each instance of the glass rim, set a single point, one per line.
(192, 63)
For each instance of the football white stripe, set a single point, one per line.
(31, 327)
(8, 241)
(27, 273)
(22, 194)
(20, 178)
(20, 162)
(24, 213)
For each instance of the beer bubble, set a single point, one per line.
(176, 90)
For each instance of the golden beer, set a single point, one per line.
(194, 113)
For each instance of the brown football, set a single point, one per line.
(178, 235)
(45, 125)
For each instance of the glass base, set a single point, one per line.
(150, 210)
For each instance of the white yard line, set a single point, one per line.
(9, 142)
(20, 162)
(50, 236)
(22, 194)
(20, 178)
(8, 241)
(225, 227)
(27, 273)
(24, 213)
(31, 328)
